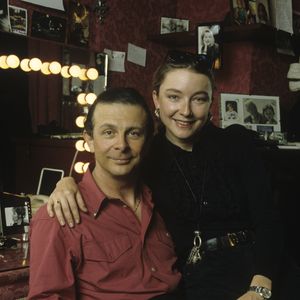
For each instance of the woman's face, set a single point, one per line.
(184, 101)
(208, 38)
(269, 114)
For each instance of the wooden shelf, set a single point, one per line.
(254, 32)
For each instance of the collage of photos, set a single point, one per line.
(251, 12)
(256, 112)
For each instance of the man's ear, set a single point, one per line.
(89, 140)
(155, 99)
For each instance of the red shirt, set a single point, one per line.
(109, 255)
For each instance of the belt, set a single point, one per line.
(231, 239)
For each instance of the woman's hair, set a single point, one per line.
(120, 95)
(197, 63)
(268, 107)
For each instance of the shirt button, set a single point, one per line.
(124, 205)
(153, 269)
(167, 234)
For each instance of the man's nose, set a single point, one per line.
(121, 142)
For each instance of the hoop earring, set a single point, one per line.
(156, 112)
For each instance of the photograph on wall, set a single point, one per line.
(210, 43)
(4, 18)
(78, 24)
(256, 112)
(18, 19)
(48, 27)
(263, 12)
(169, 25)
(250, 12)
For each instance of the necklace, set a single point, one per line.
(137, 204)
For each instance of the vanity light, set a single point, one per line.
(82, 75)
(24, 65)
(92, 74)
(86, 147)
(35, 64)
(13, 61)
(79, 145)
(75, 71)
(80, 121)
(55, 67)
(81, 99)
(45, 68)
(3, 63)
(81, 167)
(65, 72)
(90, 98)
(78, 167)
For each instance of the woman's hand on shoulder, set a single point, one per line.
(64, 202)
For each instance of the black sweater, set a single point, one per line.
(231, 187)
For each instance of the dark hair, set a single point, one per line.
(268, 107)
(197, 63)
(121, 95)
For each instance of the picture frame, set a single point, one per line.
(210, 42)
(245, 12)
(255, 112)
(48, 27)
(169, 25)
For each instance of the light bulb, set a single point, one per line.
(24, 65)
(78, 167)
(75, 71)
(82, 75)
(90, 98)
(81, 99)
(13, 61)
(86, 147)
(85, 167)
(45, 68)
(79, 145)
(65, 72)
(92, 74)
(80, 121)
(55, 67)
(3, 63)
(35, 64)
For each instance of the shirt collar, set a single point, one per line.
(94, 197)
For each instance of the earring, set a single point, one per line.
(156, 112)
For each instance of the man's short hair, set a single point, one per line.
(120, 95)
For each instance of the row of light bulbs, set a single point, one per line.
(35, 64)
(83, 99)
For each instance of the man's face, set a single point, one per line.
(118, 139)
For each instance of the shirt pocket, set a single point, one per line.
(108, 251)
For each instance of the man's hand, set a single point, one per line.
(64, 202)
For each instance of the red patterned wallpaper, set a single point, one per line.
(248, 68)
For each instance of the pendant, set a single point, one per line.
(195, 255)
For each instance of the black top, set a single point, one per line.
(231, 187)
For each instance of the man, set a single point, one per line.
(121, 249)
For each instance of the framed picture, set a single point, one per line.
(256, 112)
(210, 42)
(250, 11)
(169, 25)
(18, 20)
(48, 27)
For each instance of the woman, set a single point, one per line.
(269, 114)
(209, 186)
(210, 48)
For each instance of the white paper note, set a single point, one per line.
(136, 55)
(116, 60)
